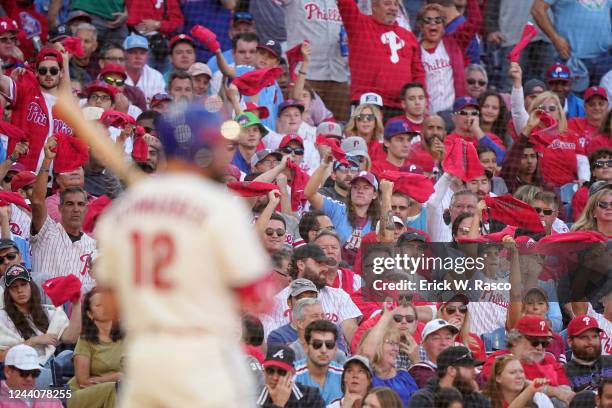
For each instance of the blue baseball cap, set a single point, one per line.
(397, 127)
(135, 41)
(464, 101)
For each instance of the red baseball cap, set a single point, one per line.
(580, 324)
(49, 54)
(101, 86)
(22, 179)
(595, 91)
(558, 72)
(114, 69)
(178, 38)
(8, 25)
(290, 137)
(262, 112)
(532, 325)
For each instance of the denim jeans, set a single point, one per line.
(45, 379)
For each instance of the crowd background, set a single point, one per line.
(406, 124)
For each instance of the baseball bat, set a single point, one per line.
(102, 147)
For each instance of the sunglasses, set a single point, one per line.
(545, 211)
(547, 108)
(279, 232)
(604, 205)
(297, 150)
(536, 341)
(113, 81)
(480, 82)
(350, 169)
(11, 256)
(52, 71)
(275, 370)
(6, 40)
(453, 309)
(27, 373)
(600, 164)
(468, 113)
(398, 318)
(317, 344)
(363, 117)
(433, 20)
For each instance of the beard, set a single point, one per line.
(464, 385)
(588, 355)
(317, 278)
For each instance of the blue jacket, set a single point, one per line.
(575, 107)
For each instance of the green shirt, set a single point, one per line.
(104, 8)
(104, 357)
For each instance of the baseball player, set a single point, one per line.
(177, 252)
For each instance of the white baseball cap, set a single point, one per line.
(23, 357)
(435, 325)
(371, 97)
(396, 220)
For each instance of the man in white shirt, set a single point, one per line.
(149, 80)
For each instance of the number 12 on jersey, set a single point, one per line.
(153, 254)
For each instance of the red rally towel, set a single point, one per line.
(9, 197)
(71, 153)
(294, 56)
(73, 46)
(117, 119)
(416, 186)
(298, 183)
(251, 188)
(514, 212)
(94, 210)
(251, 83)
(462, 161)
(63, 289)
(337, 151)
(529, 33)
(12, 132)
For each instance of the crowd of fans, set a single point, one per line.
(402, 124)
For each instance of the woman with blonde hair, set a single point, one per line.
(508, 387)
(382, 345)
(367, 123)
(456, 312)
(597, 214)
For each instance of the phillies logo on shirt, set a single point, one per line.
(86, 259)
(394, 42)
(439, 63)
(36, 114)
(29, 24)
(15, 229)
(59, 126)
(559, 144)
(314, 12)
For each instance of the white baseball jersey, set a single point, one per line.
(336, 303)
(20, 222)
(489, 311)
(54, 254)
(439, 78)
(606, 326)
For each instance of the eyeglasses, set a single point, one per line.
(480, 82)
(392, 343)
(317, 344)
(537, 341)
(468, 113)
(53, 71)
(113, 81)
(398, 318)
(11, 256)
(433, 20)
(275, 370)
(600, 164)
(27, 373)
(6, 40)
(297, 150)
(115, 59)
(604, 205)
(545, 211)
(103, 98)
(547, 108)
(453, 309)
(279, 232)
(363, 117)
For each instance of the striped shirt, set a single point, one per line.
(54, 254)
(20, 222)
(331, 390)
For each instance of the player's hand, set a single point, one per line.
(46, 339)
(50, 147)
(21, 149)
(281, 393)
(562, 47)
(516, 73)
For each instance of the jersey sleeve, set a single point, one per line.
(43, 234)
(240, 253)
(348, 309)
(335, 211)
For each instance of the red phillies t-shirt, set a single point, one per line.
(421, 157)
(450, 139)
(376, 151)
(598, 142)
(559, 163)
(417, 127)
(31, 115)
(583, 129)
(548, 368)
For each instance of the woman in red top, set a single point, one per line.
(367, 123)
(456, 313)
